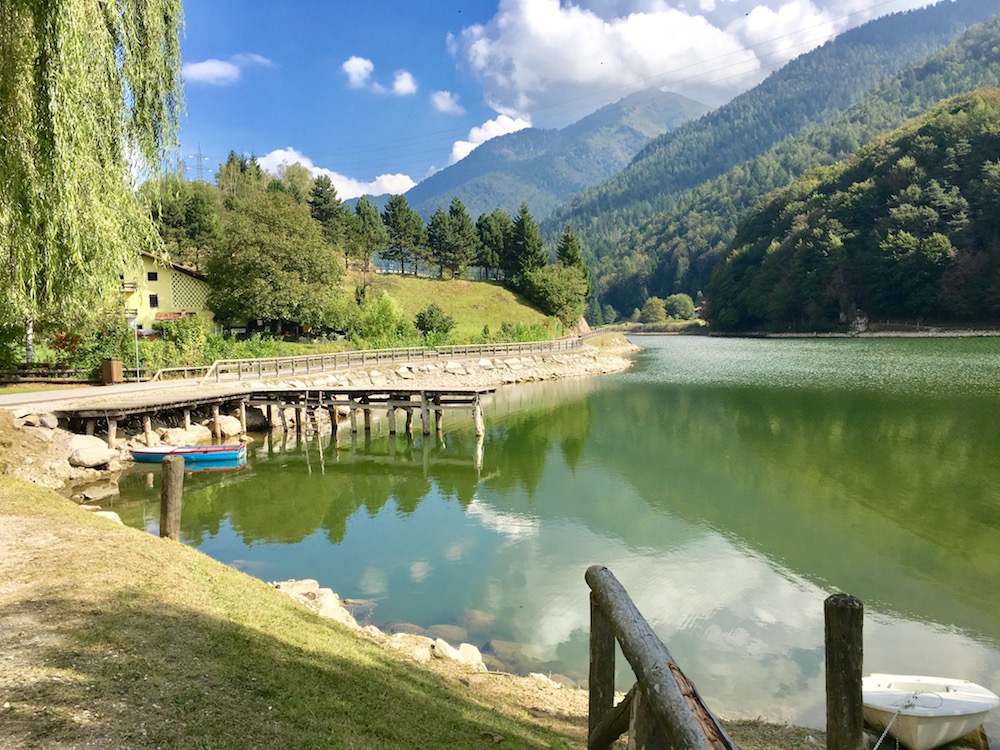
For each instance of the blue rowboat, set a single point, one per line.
(193, 454)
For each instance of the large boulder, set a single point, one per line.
(88, 451)
(228, 426)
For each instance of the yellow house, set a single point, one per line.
(164, 291)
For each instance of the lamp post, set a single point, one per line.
(133, 323)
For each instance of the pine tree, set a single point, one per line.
(368, 236)
(570, 253)
(526, 253)
(331, 212)
(495, 231)
(406, 233)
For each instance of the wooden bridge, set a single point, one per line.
(430, 403)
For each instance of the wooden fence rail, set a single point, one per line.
(307, 364)
(663, 710)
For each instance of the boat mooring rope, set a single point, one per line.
(910, 703)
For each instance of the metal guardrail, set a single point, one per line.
(311, 364)
(165, 373)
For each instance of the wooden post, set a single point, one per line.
(147, 429)
(284, 418)
(391, 419)
(171, 493)
(269, 415)
(438, 415)
(112, 431)
(91, 426)
(243, 417)
(299, 413)
(187, 419)
(681, 717)
(217, 424)
(844, 615)
(354, 418)
(332, 411)
(602, 665)
(409, 420)
(425, 414)
(643, 730)
(368, 419)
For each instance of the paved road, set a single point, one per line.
(101, 393)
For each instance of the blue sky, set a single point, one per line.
(379, 94)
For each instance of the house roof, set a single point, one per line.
(176, 266)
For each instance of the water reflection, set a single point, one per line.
(731, 486)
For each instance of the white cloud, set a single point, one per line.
(403, 83)
(500, 125)
(447, 102)
(559, 60)
(347, 187)
(358, 70)
(222, 72)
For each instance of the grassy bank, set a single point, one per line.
(116, 638)
(473, 304)
(112, 638)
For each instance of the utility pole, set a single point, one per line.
(199, 169)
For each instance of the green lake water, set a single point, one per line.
(730, 484)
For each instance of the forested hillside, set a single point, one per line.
(907, 228)
(677, 249)
(545, 168)
(806, 91)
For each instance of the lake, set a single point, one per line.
(730, 484)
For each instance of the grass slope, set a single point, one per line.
(473, 304)
(114, 638)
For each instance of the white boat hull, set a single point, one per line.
(925, 712)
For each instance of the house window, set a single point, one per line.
(154, 300)
(152, 276)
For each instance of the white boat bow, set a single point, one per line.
(925, 712)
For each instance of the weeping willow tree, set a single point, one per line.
(89, 90)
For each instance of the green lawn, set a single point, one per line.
(473, 304)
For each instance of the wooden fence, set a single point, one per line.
(663, 709)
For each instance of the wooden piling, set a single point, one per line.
(602, 664)
(299, 415)
(284, 418)
(844, 616)
(391, 419)
(171, 493)
(268, 413)
(425, 414)
(217, 423)
(368, 419)
(354, 418)
(187, 419)
(91, 426)
(147, 429)
(112, 431)
(409, 420)
(243, 417)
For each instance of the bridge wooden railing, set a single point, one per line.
(663, 709)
